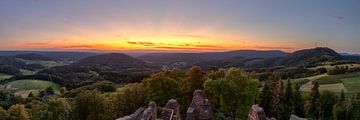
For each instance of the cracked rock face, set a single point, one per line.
(171, 111)
(150, 113)
(200, 107)
(257, 113)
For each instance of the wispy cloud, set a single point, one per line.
(274, 48)
(142, 43)
(339, 17)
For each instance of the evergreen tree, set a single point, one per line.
(276, 96)
(266, 97)
(298, 102)
(287, 107)
(313, 108)
(327, 102)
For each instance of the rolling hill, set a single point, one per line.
(186, 59)
(115, 67)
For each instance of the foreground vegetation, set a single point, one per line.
(232, 92)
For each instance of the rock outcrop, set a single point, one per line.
(171, 111)
(150, 113)
(294, 117)
(137, 115)
(257, 113)
(200, 107)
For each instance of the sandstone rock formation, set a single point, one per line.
(150, 113)
(257, 113)
(171, 111)
(137, 115)
(294, 117)
(200, 107)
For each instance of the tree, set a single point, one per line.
(59, 109)
(30, 95)
(215, 75)
(17, 112)
(4, 115)
(287, 104)
(237, 92)
(276, 96)
(194, 80)
(91, 105)
(298, 102)
(160, 88)
(265, 97)
(128, 99)
(313, 107)
(327, 101)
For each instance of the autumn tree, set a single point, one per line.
(237, 92)
(194, 80)
(17, 112)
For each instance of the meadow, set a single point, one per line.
(4, 76)
(24, 87)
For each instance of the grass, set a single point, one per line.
(4, 76)
(352, 84)
(24, 87)
(27, 72)
(329, 67)
(47, 64)
(349, 82)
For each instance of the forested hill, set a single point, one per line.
(115, 67)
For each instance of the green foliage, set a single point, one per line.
(91, 105)
(265, 97)
(194, 80)
(298, 102)
(17, 112)
(327, 101)
(4, 115)
(313, 107)
(127, 99)
(287, 105)
(160, 88)
(237, 92)
(215, 75)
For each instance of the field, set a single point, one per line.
(349, 82)
(4, 76)
(24, 87)
(328, 67)
(47, 64)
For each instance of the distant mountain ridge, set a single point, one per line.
(174, 59)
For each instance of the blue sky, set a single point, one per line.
(203, 25)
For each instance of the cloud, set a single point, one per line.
(141, 43)
(274, 48)
(79, 46)
(339, 17)
(37, 43)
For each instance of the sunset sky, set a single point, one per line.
(179, 25)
